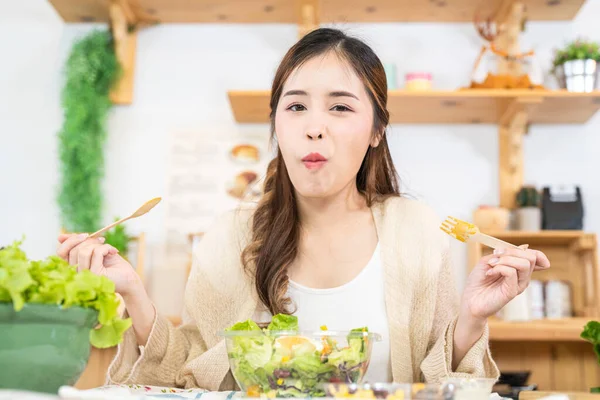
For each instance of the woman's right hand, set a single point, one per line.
(101, 259)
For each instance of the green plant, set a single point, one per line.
(118, 238)
(577, 50)
(91, 70)
(53, 281)
(528, 196)
(591, 333)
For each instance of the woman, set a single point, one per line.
(331, 239)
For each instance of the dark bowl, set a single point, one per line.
(516, 378)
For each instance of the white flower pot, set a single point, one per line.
(578, 75)
(529, 218)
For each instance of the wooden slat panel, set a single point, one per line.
(508, 355)
(536, 357)
(568, 367)
(591, 366)
(533, 395)
(284, 11)
(449, 107)
(564, 366)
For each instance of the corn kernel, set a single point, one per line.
(280, 381)
(285, 359)
(253, 391)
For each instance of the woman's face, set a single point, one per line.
(323, 124)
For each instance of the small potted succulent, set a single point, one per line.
(577, 66)
(529, 214)
(591, 333)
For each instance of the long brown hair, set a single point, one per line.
(276, 223)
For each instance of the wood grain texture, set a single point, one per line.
(451, 107)
(336, 11)
(533, 395)
(125, 49)
(560, 366)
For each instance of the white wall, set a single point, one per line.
(182, 75)
(30, 116)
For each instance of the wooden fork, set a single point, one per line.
(464, 231)
(144, 208)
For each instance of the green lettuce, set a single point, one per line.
(256, 350)
(264, 362)
(591, 333)
(244, 326)
(14, 277)
(54, 281)
(283, 322)
(358, 340)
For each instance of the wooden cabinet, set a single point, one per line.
(552, 349)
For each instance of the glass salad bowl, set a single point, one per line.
(284, 363)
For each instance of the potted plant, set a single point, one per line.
(119, 239)
(529, 215)
(577, 66)
(50, 314)
(591, 333)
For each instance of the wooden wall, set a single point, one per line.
(569, 366)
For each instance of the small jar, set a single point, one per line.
(418, 81)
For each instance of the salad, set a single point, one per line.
(54, 282)
(281, 361)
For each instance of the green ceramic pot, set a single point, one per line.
(43, 347)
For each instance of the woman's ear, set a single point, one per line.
(376, 139)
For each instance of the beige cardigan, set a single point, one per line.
(421, 304)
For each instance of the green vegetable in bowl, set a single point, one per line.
(284, 362)
(282, 322)
(53, 281)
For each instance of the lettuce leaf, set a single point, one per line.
(591, 333)
(244, 326)
(283, 322)
(53, 281)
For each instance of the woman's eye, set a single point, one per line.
(340, 108)
(296, 107)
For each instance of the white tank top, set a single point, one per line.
(358, 303)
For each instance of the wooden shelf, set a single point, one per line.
(540, 238)
(285, 11)
(452, 107)
(542, 330)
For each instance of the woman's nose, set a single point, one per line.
(315, 134)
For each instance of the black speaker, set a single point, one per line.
(562, 208)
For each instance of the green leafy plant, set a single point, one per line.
(591, 333)
(118, 238)
(54, 282)
(577, 50)
(528, 196)
(91, 70)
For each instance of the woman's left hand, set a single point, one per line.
(499, 278)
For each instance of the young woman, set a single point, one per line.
(331, 240)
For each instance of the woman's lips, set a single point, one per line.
(314, 161)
